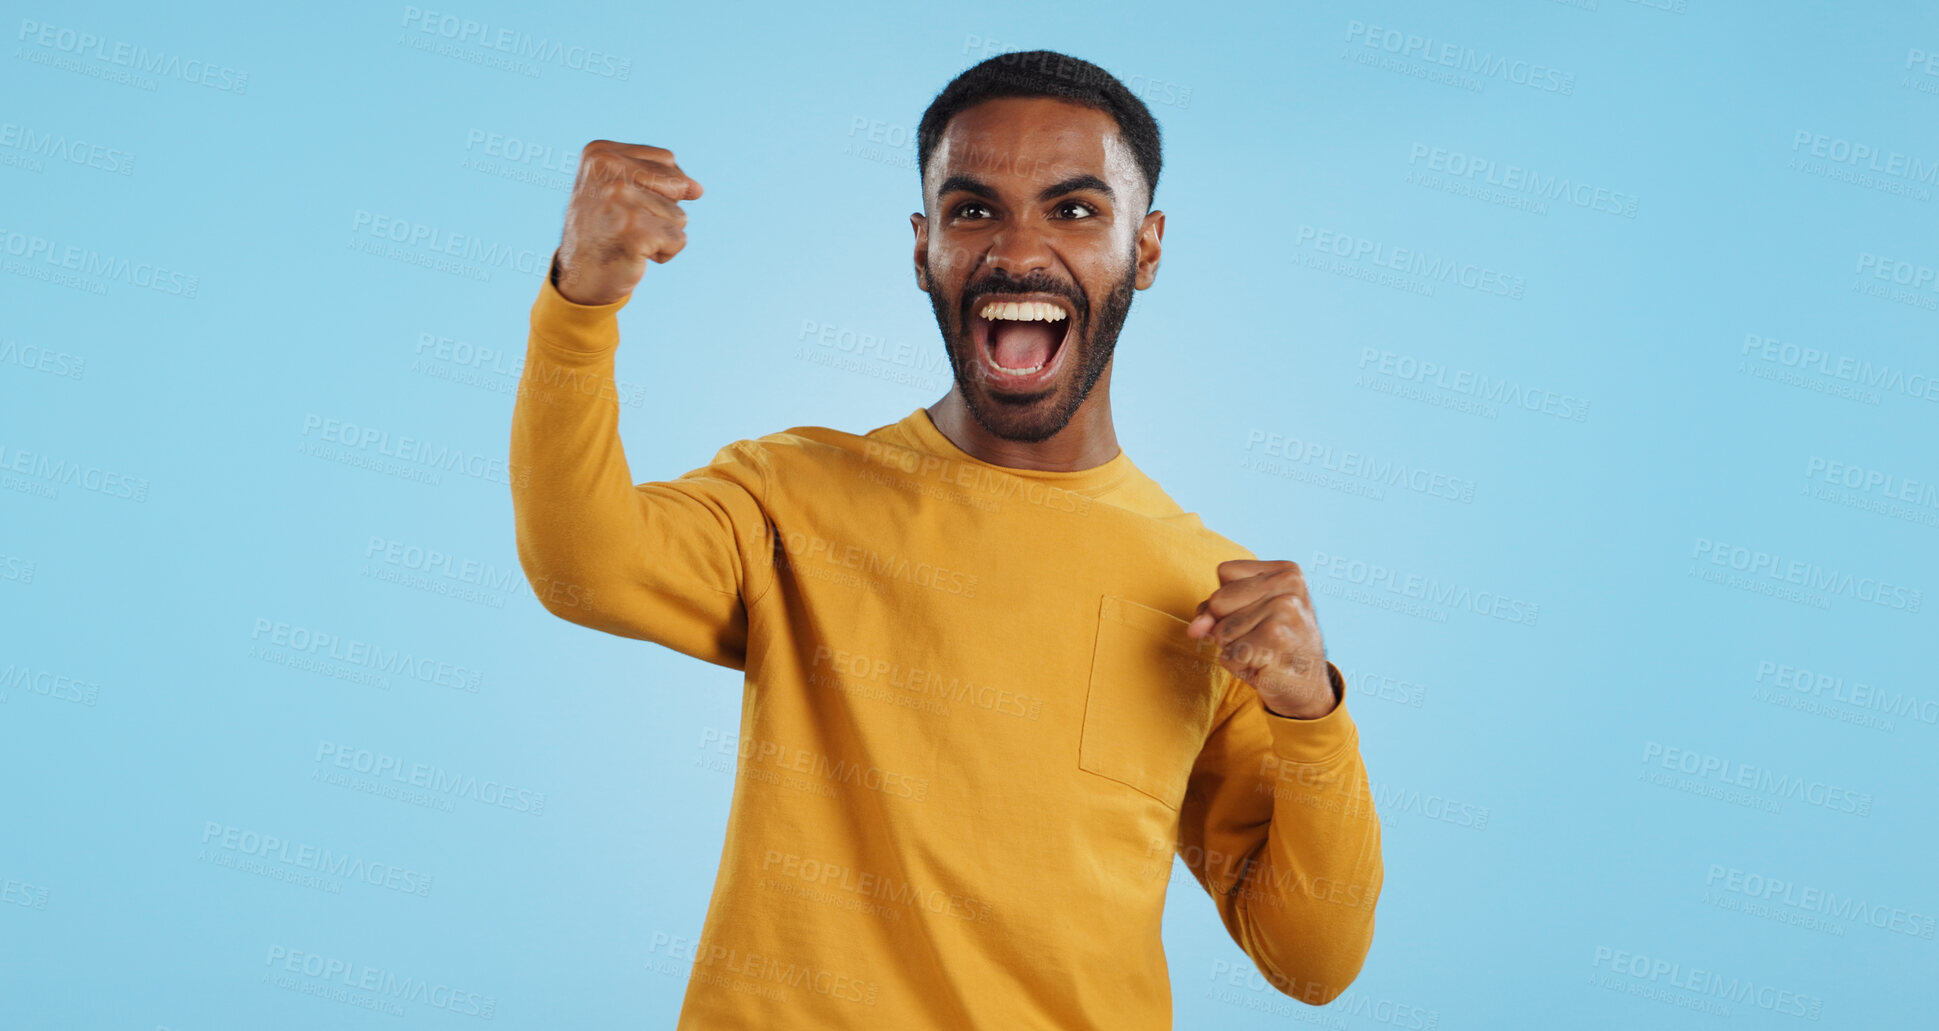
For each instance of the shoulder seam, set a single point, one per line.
(767, 491)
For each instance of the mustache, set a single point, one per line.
(1031, 284)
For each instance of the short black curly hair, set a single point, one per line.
(1045, 73)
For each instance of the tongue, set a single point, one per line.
(1021, 345)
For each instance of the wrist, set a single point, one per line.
(1313, 712)
(580, 293)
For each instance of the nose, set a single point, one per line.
(1017, 251)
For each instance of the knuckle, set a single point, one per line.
(599, 169)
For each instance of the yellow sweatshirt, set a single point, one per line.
(973, 730)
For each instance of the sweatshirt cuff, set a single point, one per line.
(578, 328)
(1315, 740)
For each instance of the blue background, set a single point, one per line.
(1579, 810)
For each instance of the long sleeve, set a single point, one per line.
(673, 562)
(1278, 825)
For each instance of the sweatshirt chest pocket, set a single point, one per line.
(1152, 695)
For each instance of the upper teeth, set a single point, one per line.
(1022, 311)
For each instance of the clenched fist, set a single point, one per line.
(1263, 617)
(624, 212)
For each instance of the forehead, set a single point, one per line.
(1017, 143)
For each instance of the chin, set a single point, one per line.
(1024, 418)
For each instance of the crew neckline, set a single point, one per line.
(1091, 482)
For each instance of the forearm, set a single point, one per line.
(1305, 905)
(572, 493)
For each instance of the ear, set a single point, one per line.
(921, 225)
(1151, 237)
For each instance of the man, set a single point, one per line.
(995, 677)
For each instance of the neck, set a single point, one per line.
(1086, 442)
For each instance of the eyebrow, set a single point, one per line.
(977, 187)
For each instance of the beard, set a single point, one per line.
(1040, 416)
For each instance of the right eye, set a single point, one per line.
(967, 205)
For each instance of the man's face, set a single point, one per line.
(1037, 203)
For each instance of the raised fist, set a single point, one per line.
(624, 212)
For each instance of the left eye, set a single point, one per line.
(1067, 205)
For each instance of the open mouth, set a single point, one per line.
(1019, 343)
